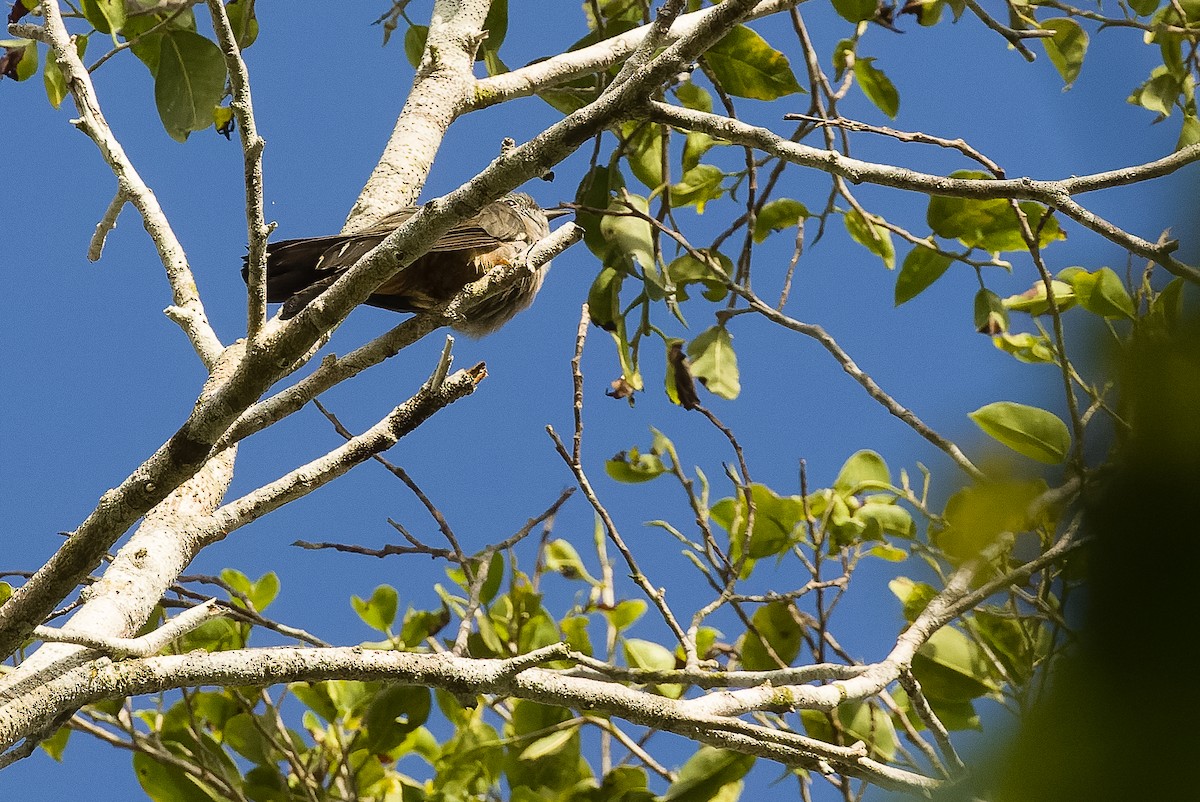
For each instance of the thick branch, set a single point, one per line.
(560, 69)
(514, 677)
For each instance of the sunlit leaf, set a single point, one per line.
(414, 43)
(378, 612)
(633, 467)
(189, 82)
(714, 362)
(747, 66)
(777, 215)
(872, 236)
(1101, 293)
(865, 470)
(1031, 431)
(707, 774)
(920, 269)
(856, 10)
(777, 624)
(877, 86)
(1066, 48)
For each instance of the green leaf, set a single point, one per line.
(1033, 301)
(260, 593)
(1102, 293)
(1066, 48)
(776, 519)
(378, 612)
(548, 745)
(495, 576)
(1160, 93)
(921, 268)
(991, 316)
(562, 558)
(1189, 132)
(189, 82)
(978, 515)
(648, 655)
(951, 667)
(496, 26)
(393, 713)
(643, 152)
(877, 86)
(776, 623)
(711, 774)
(1144, 8)
(633, 467)
(56, 84)
(886, 551)
(880, 519)
(244, 22)
(695, 145)
(747, 66)
(699, 185)
(714, 362)
(106, 16)
(856, 10)
(28, 64)
(414, 43)
(988, 224)
(693, 96)
(624, 784)
(164, 782)
(627, 236)
(687, 269)
(651, 656)
(1030, 431)
(844, 54)
(860, 721)
(915, 596)
(777, 215)
(575, 633)
(214, 635)
(604, 298)
(865, 470)
(1165, 311)
(244, 736)
(595, 191)
(1026, 347)
(872, 236)
(625, 613)
(56, 744)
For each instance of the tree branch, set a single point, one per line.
(1055, 194)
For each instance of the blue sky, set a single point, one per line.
(95, 377)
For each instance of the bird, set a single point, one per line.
(298, 270)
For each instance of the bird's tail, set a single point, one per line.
(293, 274)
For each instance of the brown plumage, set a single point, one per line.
(298, 270)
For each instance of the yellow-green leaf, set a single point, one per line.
(189, 82)
(714, 362)
(921, 268)
(877, 86)
(777, 215)
(872, 236)
(1102, 293)
(747, 66)
(1030, 431)
(1066, 48)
